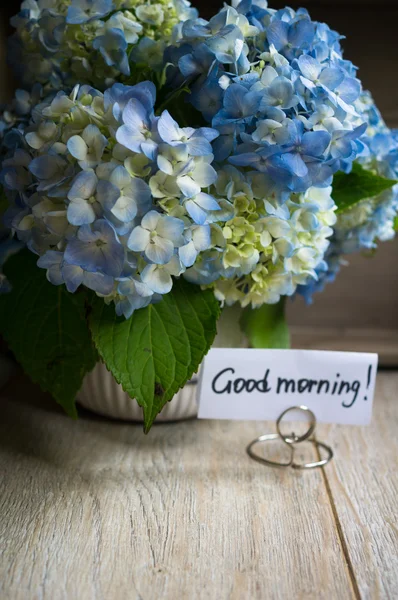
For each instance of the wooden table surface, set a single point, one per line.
(95, 509)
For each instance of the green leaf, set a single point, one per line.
(158, 349)
(266, 326)
(396, 224)
(45, 326)
(351, 188)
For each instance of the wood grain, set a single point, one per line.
(364, 491)
(94, 509)
(383, 342)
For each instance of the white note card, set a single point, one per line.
(251, 384)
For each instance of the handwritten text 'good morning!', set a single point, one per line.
(225, 383)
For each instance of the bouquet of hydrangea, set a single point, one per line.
(158, 166)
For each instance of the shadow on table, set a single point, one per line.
(33, 424)
(95, 451)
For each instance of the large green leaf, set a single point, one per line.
(158, 349)
(351, 188)
(45, 326)
(266, 326)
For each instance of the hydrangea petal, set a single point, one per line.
(309, 67)
(157, 279)
(80, 212)
(188, 186)
(83, 186)
(160, 251)
(205, 175)
(139, 239)
(295, 164)
(44, 167)
(207, 202)
(129, 140)
(102, 284)
(77, 147)
(170, 228)
(73, 277)
(125, 209)
(134, 114)
(120, 177)
(202, 237)
(188, 254)
(197, 213)
(150, 220)
(168, 129)
(107, 194)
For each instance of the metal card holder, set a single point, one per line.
(291, 441)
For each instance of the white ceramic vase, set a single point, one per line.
(103, 395)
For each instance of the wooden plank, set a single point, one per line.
(95, 509)
(381, 341)
(363, 487)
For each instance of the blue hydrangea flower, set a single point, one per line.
(372, 219)
(51, 171)
(133, 295)
(190, 174)
(280, 92)
(159, 277)
(196, 141)
(199, 206)
(314, 74)
(123, 21)
(84, 207)
(227, 44)
(61, 42)
(138, 130)
(239, 106)
(84, 11)
(113, 46)
(157, 237)
(117, 97)
(96, 249)
(114, 196)
(73, 276)
(133, 197)
(291, 36)
(284, 108)
(298, 157)
(88, 148)
(197, 240)
(104, 193)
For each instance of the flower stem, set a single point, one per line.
(266, 327)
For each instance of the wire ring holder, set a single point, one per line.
(291, 441)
